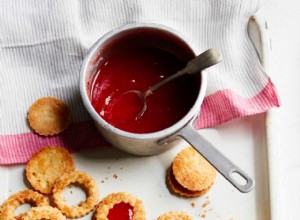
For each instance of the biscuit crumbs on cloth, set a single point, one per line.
(190, 175)
(48, 116)
(85, 207)
(119, 206)
(175, 216)
(17, 199)
(38, 213)
(46, 166)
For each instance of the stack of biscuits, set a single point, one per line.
(190, 175)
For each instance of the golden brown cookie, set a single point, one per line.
(83, 208)
(180, 190)
(49, 116)
(17, 199)
(38, 213)
(175, 216)
(46, 166)
(120, 205)
(190, 174)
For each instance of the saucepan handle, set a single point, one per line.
(215, 158)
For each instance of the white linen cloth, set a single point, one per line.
(43, 43)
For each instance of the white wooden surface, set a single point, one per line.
(284, 28)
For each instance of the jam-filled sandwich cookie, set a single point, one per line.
(175, 216)
(190, 175)
(49, 116)
(120, 205)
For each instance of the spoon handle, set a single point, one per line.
(206, 59)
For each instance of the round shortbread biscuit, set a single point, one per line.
(116, 198)
(17, 199)
(175, 216)
(38, 213)
(49, 116)
(180, 190)
(192, 171)
(46, 166)
(85, 207)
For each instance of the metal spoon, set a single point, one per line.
(206, 59)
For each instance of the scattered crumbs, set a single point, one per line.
(193, 204)
(108, 167)
(71, 192)
(81, 202)
(102, 181)
(203, 216)
(207, 202)
(115, 176)
(121, 168)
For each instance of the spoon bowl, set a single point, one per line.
(206, 59)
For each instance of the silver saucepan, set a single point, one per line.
(160, 141)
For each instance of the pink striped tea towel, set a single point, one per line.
(43, 45)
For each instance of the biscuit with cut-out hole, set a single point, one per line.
(85, 207)
(49, 116)
(17, 199)
(46, 166)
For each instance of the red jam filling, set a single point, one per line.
(132, 65)
(121, 211)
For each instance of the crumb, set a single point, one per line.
(121, 168)
(206, 203)
(115, 176)
(206, 197)
(205, 211)
(108, 167)
(102, 181)
(106, 178)
(71, 192)
(203, 216)
(193, 204)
